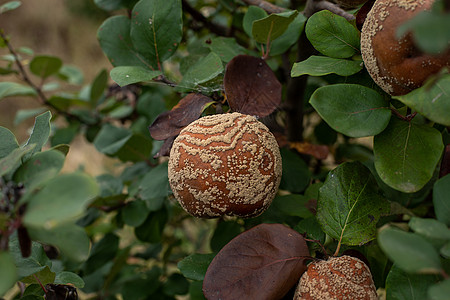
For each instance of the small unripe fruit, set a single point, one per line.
(225, 164)
(396, 65)
(344, 277)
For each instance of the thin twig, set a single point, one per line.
(267, 6)
(213, 27)
(325, 5)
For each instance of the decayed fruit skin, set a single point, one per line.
(397, 66)
(225, 164)
(337, 278)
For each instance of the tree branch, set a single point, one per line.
(268, 7)
(214, 28)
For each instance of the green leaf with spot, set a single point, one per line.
(350, 204)
(125, 75)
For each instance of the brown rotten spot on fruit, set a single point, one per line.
(344, 277)
(225, 164)
(396, 65)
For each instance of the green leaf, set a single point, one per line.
(125, 75)
(62, 199)
(9, 142)
(332, 35)
(24, 114)
(135, 213)
(202, 71)
(292, 205)
(323, 65)
(352, 109)
(151, 33)
(431, 100)
(406, 154)
(155, 184)
(411, 252)
(110, 5)
(39, 168)
(350, 204)
(7, 7)
(102, 252)
(71, 74)
(176, 284)
(137, 148)
(8, 275)
(45, 276)
(272, 26)
(295, 175)
(311, 228)
(445, 250)
(441, 204)
(9, 162)
(69, 238)
(45, 66)
(110, 139)
(289, 37)
(40, 133)
(253, 13)
(98, 86)
(152, 228)
(36, 262)
(66, 277)
(114, 38)
(8, 89)
(194, 266)
(225, 48)
(404, 286)
(225, 231)
(432, 230)
(439, 291)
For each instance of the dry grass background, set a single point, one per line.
(66, 29)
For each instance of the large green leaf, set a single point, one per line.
(439, 291)
(69, 238)
(289, 37)
(432, 230)
(8, 89)
(137, 148)
(39, 168)
(45, 66)
(110, 139)
(9, 142)
(202, 71)
(323, 65)
(253, 13)
(411, 252)
(11, 161)
(406, 154)
(66, 277)
(40, 133)
(155, 184)
(156, 29)
(61, 200)
(332, 35)
(350, 204)
(431, 100)
(404, 286)
(352, 109)
(225, 48)
(273, 26)
(102, 252)
(8, 275)
(114, 38)
(295, 175)
(441, 193)
(27, 266)
(125, 75)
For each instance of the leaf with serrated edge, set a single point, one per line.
(350, 204)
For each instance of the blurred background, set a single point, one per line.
(66, 29)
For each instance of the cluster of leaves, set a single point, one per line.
(122, 234)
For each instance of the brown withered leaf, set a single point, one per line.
(170, 123)
(264, 262)
(362, 13)
(318, 151)
(251, 87)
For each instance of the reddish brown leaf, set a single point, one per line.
(362, 13)
(170, 123)
(251, 87)
(264, 262)
(24, 241)
(445, 164)
(165, 148)
(318, 151)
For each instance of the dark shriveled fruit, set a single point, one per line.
(344, 277)
(396, 65)
(225, 164)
